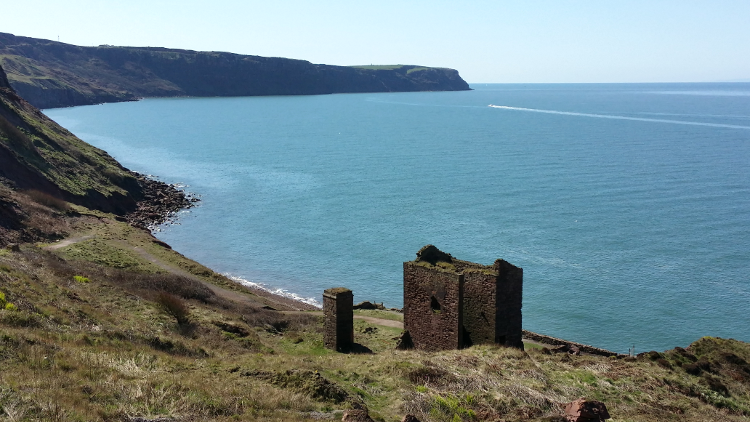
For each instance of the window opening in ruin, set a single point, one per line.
(435, 305)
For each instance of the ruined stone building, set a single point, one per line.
(339, 319)
(452, 304)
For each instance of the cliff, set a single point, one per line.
(53, 74)
(38, 154)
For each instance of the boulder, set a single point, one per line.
(433, 255)
(368, 305)
(356, 415)
(410, 418)
(567, 348)
(404, 341)
(583, 410)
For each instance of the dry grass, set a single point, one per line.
(48, 200)
(106, 350)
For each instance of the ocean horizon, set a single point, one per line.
(627, 205)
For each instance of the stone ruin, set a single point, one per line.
(338, 305)
(452, 304)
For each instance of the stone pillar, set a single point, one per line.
(338, 305)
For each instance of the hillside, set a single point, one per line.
(93, 335)
(38, 154)
(44, 167)
(53, 74)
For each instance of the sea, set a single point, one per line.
(626, 205)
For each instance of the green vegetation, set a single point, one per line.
(50, 155)
(5, 304)
(143, 341)
(80, 279)
(381, 66)
(381, 314)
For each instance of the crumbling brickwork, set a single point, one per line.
(489, 302)
(338, 305)
(433, 312)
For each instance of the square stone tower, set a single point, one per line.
(450, 303)
(338, 309)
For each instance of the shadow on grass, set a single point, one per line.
(359, 349)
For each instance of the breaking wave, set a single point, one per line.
(276, 291)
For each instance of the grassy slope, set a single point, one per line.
(105, 349)
(39, 154)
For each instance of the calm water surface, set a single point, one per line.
(628, 206)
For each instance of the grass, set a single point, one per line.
(107, 350)
(380, 67)
(382, 314)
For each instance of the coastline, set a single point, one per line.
(161, 203)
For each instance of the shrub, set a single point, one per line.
(48, 200)
(16, 138)
(183, 287)
(174, 306)
(80, 279)
(4, 304)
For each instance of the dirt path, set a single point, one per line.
(234, 296)
(218, 291)
(67, 242)
(368, 319)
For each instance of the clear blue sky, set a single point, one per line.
(487, 41)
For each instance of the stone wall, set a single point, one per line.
(480, 308)
(432, 307)
(508, 328)
(338, 305)
(554, 341)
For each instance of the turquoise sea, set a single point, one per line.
(627, 205)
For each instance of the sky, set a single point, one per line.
(497, 41)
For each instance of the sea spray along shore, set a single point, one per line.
(281, 292)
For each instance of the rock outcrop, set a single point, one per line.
(583, 410)
(53, 74)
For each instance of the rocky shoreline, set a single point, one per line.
(160, 204)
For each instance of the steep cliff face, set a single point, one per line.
(38, 154)
(53, 74)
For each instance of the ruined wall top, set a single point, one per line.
(336, 291)
(430, 255)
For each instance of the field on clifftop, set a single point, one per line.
(112, 325)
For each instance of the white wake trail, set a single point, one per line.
(609, 116)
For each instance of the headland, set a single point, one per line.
(51, 74)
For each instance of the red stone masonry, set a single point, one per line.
(488, 310)
(338, 305)
(432, 312)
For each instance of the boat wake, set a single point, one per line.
(615, 117)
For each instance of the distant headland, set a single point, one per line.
(52, 74)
